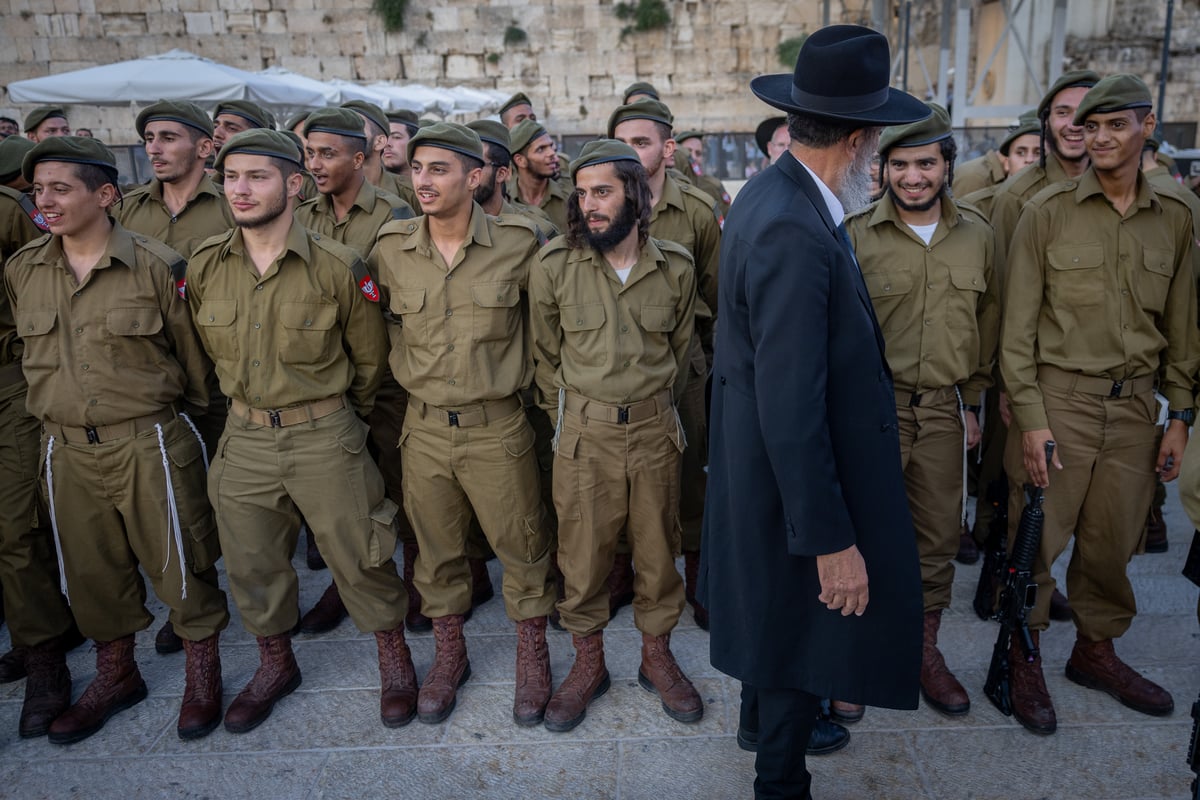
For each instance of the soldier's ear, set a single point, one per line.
(205, 148)
(1149, 124)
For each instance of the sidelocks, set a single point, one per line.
(1018, 596)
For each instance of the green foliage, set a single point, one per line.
(392, 13)
(789, 49)
(645, 15)
(493, 58)
(514, 36)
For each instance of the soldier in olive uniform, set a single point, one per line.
(113, 363)
(376, 128)
(45, 122)
(231, 117)
(12, 153)
(1099, 307)
(516, 110)
(290, 317)
(613, 313)
(979, 173)
(928, 264)
(692, 145)
(402, 126)
(537, 172)
(455, 281)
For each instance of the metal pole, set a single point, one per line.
(907, 28)
(1166, 63)
(944, 48)
(825, 14)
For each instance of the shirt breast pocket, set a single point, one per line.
(37, 328)
(128, 329)
(887, 290)
(307, 331)
(658, 319)
(1154, 278)
(1074, 278)
(494, 316)
(583, 332)
(969, 284)
(408, 307)
(215, 321)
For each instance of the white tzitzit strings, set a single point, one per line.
(62, 570)
(173, 528)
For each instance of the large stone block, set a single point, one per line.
(446, 19)
(464, 67)
(272, 22)
(200, 23)
(309, 21)
(166, 24)
(423, 67)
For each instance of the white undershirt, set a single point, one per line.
(623, 274)
(924, 231)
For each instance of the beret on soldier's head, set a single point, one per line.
(12, 153)
(406, 118)
(448, 136)
(253, 113)
(180, 111)
(41, 114)
(640, 87)
(338, 121)
(260, 142)
(603, 151)
(933, 128)
(73, 150)
(296, 119)
(1114, 93)
(640, 109)
(1027, 123)
(1079, 77)
(683, 136)
(516, 100)
(494, 132)
(525, 132)
(370, 111)
(294, 138)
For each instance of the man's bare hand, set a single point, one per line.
(973, 432)
(1170, 454)
(843, 578)
(1005, 410)
(1034, 445)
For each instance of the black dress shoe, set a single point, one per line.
(826, 737)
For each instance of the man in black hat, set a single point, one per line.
(806, 518)
(772, 138)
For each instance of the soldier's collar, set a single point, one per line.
(672, 194)
(119, 250)
(1088, 185)
(364, 199)
(297, 242)
(886, 211)
(206, 186)
(478, 231)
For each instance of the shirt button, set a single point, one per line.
(1125, 293)
(1075, 259)
(451, 381)
(450, 348)
(137, 325)
(257, 399)
(256, 363)
(308, 323)
(78, 331)
(258, 288)
(449, 312)
(211, 318)
(91, 402)
(887, 287)
(579, 321)
(84, 367)
(624, 329)
(626, 364)
(929, 286)
(257, 325)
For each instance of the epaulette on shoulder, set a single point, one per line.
(699, 194)
(214, 241)
(399, 227)
(163, 252)
(515, 221)
(1052, 190)
(668, 246)
(553, 246)
(335, 248)
(970, 212)
(32, 245)
(136, 193)
(1021, 182)
(862, 212)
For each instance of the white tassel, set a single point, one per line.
(679, 425)
(562, 401)
(199, 438)
(962, 415)
(62, 570)
(173, 528)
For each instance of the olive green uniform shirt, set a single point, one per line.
(1099, 294)
(971, 176)
(546, 229)
(554, 201)
(206, 214)
(400, 186)
(937, 303)
(459, 331)
(118, 346)
(304, 330)
(372, 208)
(1010, 197)
(1163, 181)
(687, 216)
(16, 227)
(611, 342)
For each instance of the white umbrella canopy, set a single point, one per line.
(399, 98)
(175, 75)
(471, 101)
(348, 90)
(330, 93)
(437, 101)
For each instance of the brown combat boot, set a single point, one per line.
(691, 575)
(661, 675)
(47, 689)
(587, 680)
(167, 641)
(1060, 608)
(1027, 693)
(481, 582)
(450, 670)
(1156, 531)
(200, 712)
(397, 679)
(533, 673)
(414, 620)
(117, 686)
(620, 583)
(277, 676)
(939, 687)
(1097, 666)
(326, 615)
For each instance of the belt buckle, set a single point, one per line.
(92, 436)
(276, 420)
(623, 415)
(453, 418)
(1116, 388)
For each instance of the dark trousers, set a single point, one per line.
(784, 719)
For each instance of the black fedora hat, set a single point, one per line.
(843, 73)
(765, 130)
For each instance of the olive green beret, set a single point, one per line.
(12, 152)
(406, 118)
(425, 122)
(1079, 77)
(370, 111)
(295, 139)
(41, 114)
(933, 128)
(296, 119)
(338, 121)
(180, 111)
(1027, 123)
(516, 100)
(685, 135)
(1114, 93)
(260, 142)
(645, 108)
(491, 131)
(525, 132)
(448, 136)
(73, 150)
(253, 113)
(641, 87)
(603, 151)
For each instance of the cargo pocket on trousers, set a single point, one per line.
(191, 499)
(565, 476)
(518, 444)
(382, 547)
(537, 539)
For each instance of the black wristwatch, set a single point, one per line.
(1187, 416)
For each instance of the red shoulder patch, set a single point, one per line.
(181, 287)
(369, 289)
